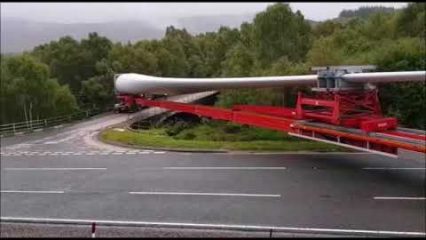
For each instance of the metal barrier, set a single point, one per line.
(29, 126)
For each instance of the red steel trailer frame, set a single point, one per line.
(348, 119)
(338, 112)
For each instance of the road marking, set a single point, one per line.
(18, 191)
(143, 152)
(224, 168)
(211, 226)
(208, 194)
(159, 152)
(51, 169)
(377, 168)
(399, 198)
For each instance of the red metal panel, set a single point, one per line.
(274, 111)
(259, 120)
(317, 102)
(380, 124)
(322, 116)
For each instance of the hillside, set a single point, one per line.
(18, 35)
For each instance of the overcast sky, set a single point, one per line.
(163, 13)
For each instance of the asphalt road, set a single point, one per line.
(65, 173)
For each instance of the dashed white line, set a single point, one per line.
(19, 191)
(225, 168)
(51, 169)
(399, 198)
(208, 194)
(378, 168)
(159, 152)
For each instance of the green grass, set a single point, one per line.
(204, 138)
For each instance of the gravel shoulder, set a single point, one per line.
(33, 230)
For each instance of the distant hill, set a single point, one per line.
(18, 35)
(365, 12)
(201, 24)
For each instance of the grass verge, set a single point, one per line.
(158, 138)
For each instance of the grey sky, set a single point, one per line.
(163, 13)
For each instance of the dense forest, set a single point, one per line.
(66, 75)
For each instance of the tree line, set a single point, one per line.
(66, 75)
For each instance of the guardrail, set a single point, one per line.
(29, 126)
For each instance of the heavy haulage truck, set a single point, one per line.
(343, 109)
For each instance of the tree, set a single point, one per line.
(412, 20)
(28, 90)
(279, 32)
(238, 62)
(95, 94)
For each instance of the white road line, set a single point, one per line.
(225, 168)
(52, 169)
(377, 168)
(159, 152)
(144, 152)
(399, 198)
(208, 194)
(18, 191)
(212, 226)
